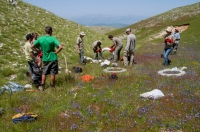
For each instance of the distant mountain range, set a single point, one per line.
(107, 20)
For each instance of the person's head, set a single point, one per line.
(98, 42)
(29, 37)
(110, 37)
(128, 31)
(169, 30)
(35, 36)
(82, 34)
(48, 30)
(176, 30)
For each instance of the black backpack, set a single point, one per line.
(113, 76)
(77, 69)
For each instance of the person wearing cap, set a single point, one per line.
(168, 41)
(96, 46)
(130, 48)
(116, 47)
(80, 47)
(48, 43)
(177, 38)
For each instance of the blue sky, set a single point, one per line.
(76, 8)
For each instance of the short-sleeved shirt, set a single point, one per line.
(130, 42)
(117, 41)
(95, 45)
(48, 45)
(177, 36)
(27, 51)
(79, 41)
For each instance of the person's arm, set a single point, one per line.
(114, 45)
(33, 45)
(78, 45)
(127, 44)
(60, 47)
(30, 50)
(178, 36)
(78, 48)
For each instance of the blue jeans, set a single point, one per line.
(167, 51)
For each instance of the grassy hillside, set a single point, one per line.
(149, 28)
(101, 29)
(102, 105)
(17, 21)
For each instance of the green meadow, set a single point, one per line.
(102, 105)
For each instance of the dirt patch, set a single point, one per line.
(181, 28)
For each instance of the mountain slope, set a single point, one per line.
(17, 21)
(149, 28)
(107, 20)
(102, 104)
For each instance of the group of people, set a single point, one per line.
(116, 47)
(42, 51)
(171, 41)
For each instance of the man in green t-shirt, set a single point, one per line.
(48, 43)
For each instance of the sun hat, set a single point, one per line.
(128, 30)
(82, 33)
(169, 29)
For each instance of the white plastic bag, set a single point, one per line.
(154, 94)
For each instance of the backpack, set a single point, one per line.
(77, 69)
(113, 76)
(24, 117)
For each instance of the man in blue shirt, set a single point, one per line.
(176, 42)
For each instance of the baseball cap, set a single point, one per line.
(82, 33)
(128, 30)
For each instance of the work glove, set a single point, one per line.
(40, 54)
(168, 41)
(111, 49)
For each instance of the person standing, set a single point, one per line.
(168, 41)
(130, 48)
(177, 38)
(48, 43)
(37, 51)
(116, 47)
(80, 47)
(96, 46)
(29, 53)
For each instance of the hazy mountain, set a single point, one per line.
(107, 20)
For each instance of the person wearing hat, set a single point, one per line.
(116, 47)
(96, 46)
(130, 48)
(168, 41)
(177, 38)
(80, 47)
